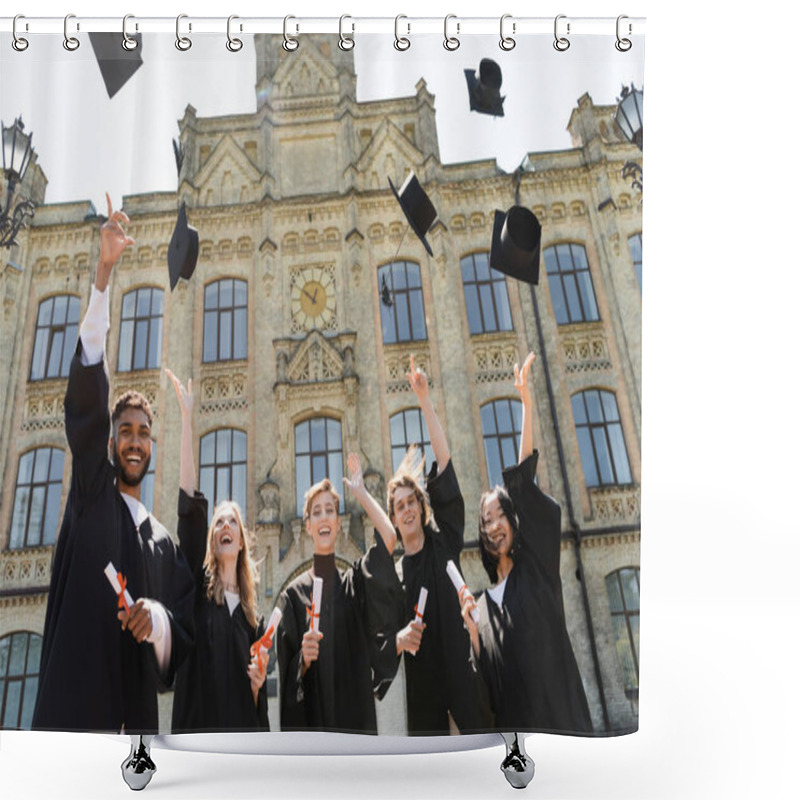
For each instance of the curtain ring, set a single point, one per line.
(507, 42)
(234, 45)
(623, 45)
(19, 43)
(290, 43)
(451, 42)
(561, 43)
(401, 42)
(128, 42)
(183, 43)
(346, 42)
(70, 42)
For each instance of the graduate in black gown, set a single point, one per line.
(521, 642)
(101, 668)
(220, 686)
(441, 681)
(329, 677)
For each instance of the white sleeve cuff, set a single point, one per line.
(161, 635)
(94, 328)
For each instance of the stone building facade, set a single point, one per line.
(292, 201)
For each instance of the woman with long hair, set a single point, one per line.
(220, 687)
(521, 641)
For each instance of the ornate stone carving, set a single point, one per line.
(26, 568)
(223, 387)
(495, 359)
(396, 359)
(616, 504)
(269, 495)
(585, 348)
(44, 405)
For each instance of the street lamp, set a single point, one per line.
(629, 120)
(17, 154)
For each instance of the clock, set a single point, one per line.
(313, 299)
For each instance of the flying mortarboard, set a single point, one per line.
(417, 207)
(116, 63)
(516, 244)
(182, 252)
(484, 88)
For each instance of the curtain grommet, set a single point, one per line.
(507, 42)
(401, 43)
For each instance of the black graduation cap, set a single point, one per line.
(183, 247)
(417, 207)
(116, 63)
(516, 244)
(484, 88)
(386, 295)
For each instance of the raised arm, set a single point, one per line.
(188, 476)
(418, 381)
(521, 385)
(378, 516)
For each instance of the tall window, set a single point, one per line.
(56, 337)
(317, 455)
(140, 330)
(149, 480)
(604, 456)
(223, 468)
(501, 421)
(623, 600)
(635, 246)
(570, 283)
(225, 320)
(485, 294)
(37, 498)
(402, 307)
(19, 678)
(406, 428)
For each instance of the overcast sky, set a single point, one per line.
(88, 143)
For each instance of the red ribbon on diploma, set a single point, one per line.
(313, 614)
(121, 601)
(255, 649)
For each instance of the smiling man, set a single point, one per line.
(101, 667)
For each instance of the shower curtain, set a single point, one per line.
(398, 276)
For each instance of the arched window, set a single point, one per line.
(570, 283)
(317, 455)
(402, 306)
(225, 320)
(604, 456)
(406, 428)
(223, 468)
(140, 330)
(485, 295)
(501, 421)
(19, 678)
(37, 498)
(635, 246)
(56, 337)
(622, 587)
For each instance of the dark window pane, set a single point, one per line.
(493, 463)
(302, 442)
(319, 468)
(207, 483)
(19, 649)
(212, 295)
(5, 648)
(396, 428)
(51, 513)
(36, 517)
(482, 267)
(19, 517)
(413, 428)
(154, 353)
(503, 414)
(45, 313)
(239, 446)
(619, 454)
(42, 465)
(413, 276)
(503, 308)
(592, 399)
(34, 654)
(223, 487)
(140, 345)
(418, 330)
(587, 457)
(614, 595)
(630, 588)
(13, 693)
(157, 303)
(240, 333)
(207, 448)
(225, 294)
(401, 316)
(387, 324)
(317, 434)
(223, 447)
(303, 471)
(573, 301)
(60, 310)
(28, 703)
(587, 296)
(240, 293)
(26, 467)
(70, 342)
(39, 354)
(602, 455)
(225, 325)
(487, 304)
(559, 303)
(508, 451)
(487, 419)
(56, 465)
(399, 277)
(125, 346)
(550, 261)
(335, 475)
(74, 310)
(564, 256)
(129, 305)
(609, 407)
(56, 345)
(579, 257)
(473, 309)
(210, 336)
(334, 435)
(467, 270)
(239, 485)
(143, 303)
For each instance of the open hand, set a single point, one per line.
(521, 377)
(417, 379)
(356, 481)
(113, 239)
(184, 393)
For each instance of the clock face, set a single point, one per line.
(313, 299)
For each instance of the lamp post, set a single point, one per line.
(17, 154)
(628, 117)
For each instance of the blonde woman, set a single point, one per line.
(220, 687)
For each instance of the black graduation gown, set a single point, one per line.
(92, 674)
(441, 676)
(526, 657)
(357, 653)
(212, 689)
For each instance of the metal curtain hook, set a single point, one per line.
(561, 43)
(507, 42)
(346, 42)
(234, 45)
(128, 42)
(623, 45)
(290, 43)
(183, 43)
(451, 42)
(401, 42)
(19, 43)
(70, 42)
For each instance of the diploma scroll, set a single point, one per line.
(118, 585)
(461, 587)
(419, 608)
(316, 604)
(266, 640)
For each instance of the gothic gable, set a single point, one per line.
(308, 76)
(389, 154)
(227, 175)
(316, 359)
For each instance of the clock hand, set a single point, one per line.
(312, 299)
